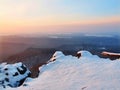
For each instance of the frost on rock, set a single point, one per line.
(13, 75)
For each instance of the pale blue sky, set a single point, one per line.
(25, 13)
(64, 8)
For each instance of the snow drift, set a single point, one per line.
(89, 72)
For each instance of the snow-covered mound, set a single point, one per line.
(13, 74)
(56, 55)
(84, 53)
(89, 72)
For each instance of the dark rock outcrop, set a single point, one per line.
(112, 56)
(13, 75)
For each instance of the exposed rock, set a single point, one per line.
(111, 55)
(78, 55)
(83, 54)
(13, 75)
(56, 55)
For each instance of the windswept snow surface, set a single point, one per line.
(89, 72)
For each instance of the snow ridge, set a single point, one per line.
(88, 72)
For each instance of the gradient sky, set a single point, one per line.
(50, 16)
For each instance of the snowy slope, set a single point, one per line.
(89, 72)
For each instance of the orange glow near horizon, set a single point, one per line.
(24, 16)
(56, 21)
(17, 26)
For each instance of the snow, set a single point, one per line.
(56, 55)
(8, 76)
(89, 72)
(85, 53)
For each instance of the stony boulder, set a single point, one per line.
(13, 75)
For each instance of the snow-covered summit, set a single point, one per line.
(56, 55)
(84, 53)
(88, 72)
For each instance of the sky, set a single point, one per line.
(59, 16)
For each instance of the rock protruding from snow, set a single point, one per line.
(111, 55)
(83, 54)
(13, 75)
(56, 55)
